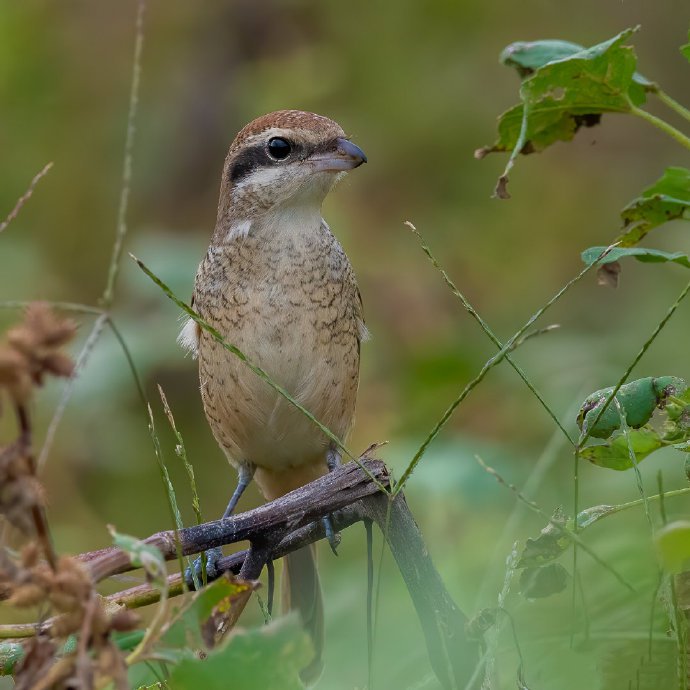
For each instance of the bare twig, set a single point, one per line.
(25, 197)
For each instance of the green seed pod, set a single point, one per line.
(638, 399)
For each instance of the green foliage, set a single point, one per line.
(141, 554)
(545, 581)
(599, 418)
(266, 658)
(650, 256)
(615, 455)
(685, 50)
(672, 543)
(667, 199)
(565, 94)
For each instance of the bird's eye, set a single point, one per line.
(279, 148)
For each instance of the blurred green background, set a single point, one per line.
(417, 85)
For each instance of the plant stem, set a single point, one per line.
(673, 104)
(662, 125)
(114, 268)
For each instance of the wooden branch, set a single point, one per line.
(277, 528)
(453, 656)
(328, 494)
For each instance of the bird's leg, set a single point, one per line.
(333, 461)
(193, 574)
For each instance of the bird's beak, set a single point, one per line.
(344, 156)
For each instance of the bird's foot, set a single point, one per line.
(194, 575)
(332, 536)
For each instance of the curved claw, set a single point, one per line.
(194, 574)
(332, 536)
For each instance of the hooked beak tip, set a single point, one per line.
(346, 156)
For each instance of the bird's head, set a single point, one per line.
(285, 158)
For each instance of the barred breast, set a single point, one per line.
(290, 302)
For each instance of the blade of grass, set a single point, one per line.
(181, 453)
(25, 197)
(63, 306)
(253, 367)
(485, 327)
(170, 490)
(496, 359)
(125, 188)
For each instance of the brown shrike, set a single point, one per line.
(277, 284)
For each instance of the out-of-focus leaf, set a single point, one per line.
(651, 256)
(544, 581)
(667, 199)
(673, 545)
(615, 455)
(11, 653)
(638, 399)
(685, 50)
(566, 94)
(548, 546)
(267, 658)
(141, 554)
(590, 515)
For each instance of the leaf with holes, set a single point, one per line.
(528, 56)
(667, 199)
(563, 95)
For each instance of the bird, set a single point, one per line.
(277, 284)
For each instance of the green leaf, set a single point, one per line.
(527, 56)
(638, 398)
(672, 542)
(685, 50)
(615, 455)
(565, 94)
(650, 256)
(220, 594)
(667, 199)
(538, 583)
(141, 554)
(265, 658)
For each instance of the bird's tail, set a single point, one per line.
(302, 593)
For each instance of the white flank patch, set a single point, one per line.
(189, 337)
(240, 230)
(364, 333)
